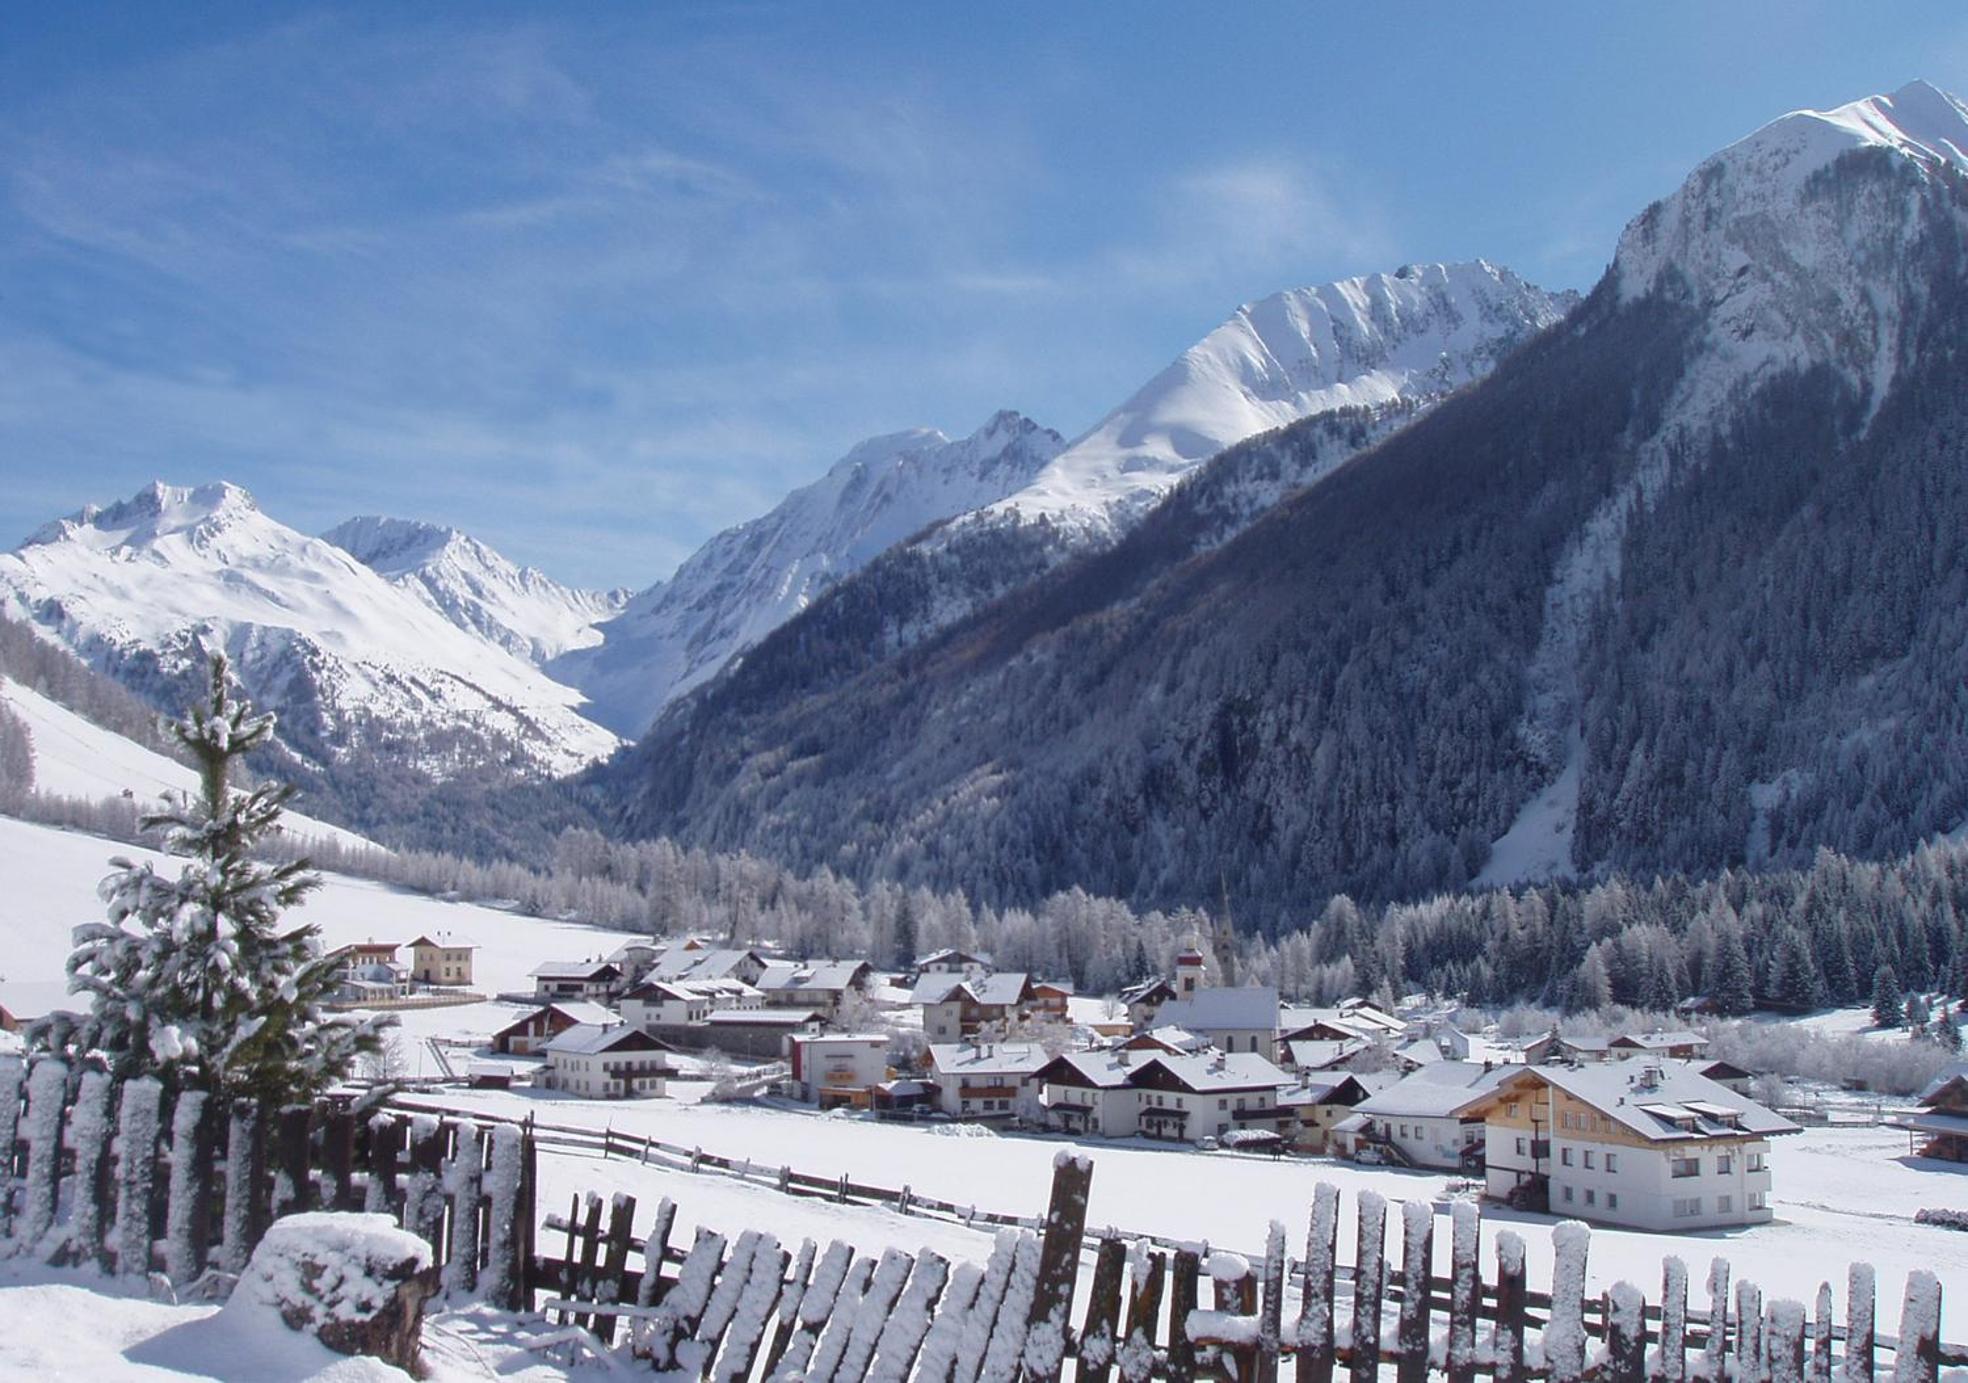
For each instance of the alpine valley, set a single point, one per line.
(1410, 582)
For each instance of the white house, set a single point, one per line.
(1208, 1094)
(707, 963)
(1418, 1121)
(956, 1006)
(1234, 1020)
(988, 1080)
(1649, 1144)
(819, 985)
(532, 1031)
(668, 1003)
(1092, 1092)
(619, 1062)
(578, 979)
(952, 961)
(839, 1068)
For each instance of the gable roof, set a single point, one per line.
(445, 942)
(971, 1058)
(1104, 1070)
(575, 1011)
(1254, 1008)
(1213, 1071)
(830, 976)
(1148, 991)
(1658, 1041)
(592, 1039)
(997, 991)
(1437, 1090)
(571, 969)
(952, 953)
(1939, 1085)
(1316, 1054)
(1663, 1102)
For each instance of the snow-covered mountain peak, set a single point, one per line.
(748, 580)
(1419, 331)
(156, 511)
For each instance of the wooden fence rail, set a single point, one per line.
(144, 1185)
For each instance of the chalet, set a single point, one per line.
(836, 1069)
(1677, 1046)
(988, 1080)
(1939, 1128)
(1052, 1000)
(636, 959)
(1176, 1041)
(444, 960)
(527, 1034)
(1234, 1020)
(1144, 1000)
(1354, 1020)
(1321, 1054)
(1557, 1046)
(578, 979)
(488, 1075)
(663, 1003)
(956, 1006)
(710, 964)
(368, 971)
(1648, 1144)
(1322, 1099)
(1209, 1094)
(1727, 1074)
(1418, 1120)
(819, 985)
(951, 961)
(1089, 1093)
(619, 1062)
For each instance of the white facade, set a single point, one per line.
(991, 1080)
(1669, 1188)
(839, 1066)
(619, 1062)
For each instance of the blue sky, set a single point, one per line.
(594, 282)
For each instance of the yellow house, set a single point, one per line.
(444, 961)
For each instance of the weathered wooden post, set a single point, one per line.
(1783, 1339)
(1103, 1318)
(762, 1290)
(1507, 1345)
(1752, 1363)
(584, 1227)
(1144, 1306)
(138, 1127)
(47, 1089)
(877, 1303)
(503, 1273)
(1821, 1332)
(1369, 1282)
(89, 1198)
(423, 1189)
(1674, 1320)
(1013, 1325)
(464, 1179)
(1314, 1363)
(293, 1188)
(1417, 1257)
(938, 1354)
(830, 1278)
(615, 1263)
(1715, 1353)
(1465, 1290)
(385, 1149)
(13, 1079)
(786, 1318)
(1049, 1317)
(1859, 1323)
(685, 1303)
(187, 1225)
(1182, 1301)
(1917, 1358)
(246, 1200)
(1626, 1334)
(832, 1342)
(650, 1289)
(1564, 1333)
(338, 1159)
(1271, 1307)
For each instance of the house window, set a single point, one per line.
(1404, 1130)
(1612, 1200)
(1758, 1200)
(1520, 1147)
(1755, 1162)
(1685, 1167)
(1511, 1109)
(1590, 1158)
(1565, 1156)
(1687, 1207)
(1724, 1164)
(1568, 1193)
(1612, 1162)
(1591, 1196)
(1223, 1104)
(1723, 1204)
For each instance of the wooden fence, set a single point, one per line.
(103, 1174)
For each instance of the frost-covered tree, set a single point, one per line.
(193, 978)
(1888, 1011)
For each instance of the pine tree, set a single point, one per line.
(1947, 1034)
(192, 979)
(1887, 1010)
(1733, 987)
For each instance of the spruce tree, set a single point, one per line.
(1733, 987)
(1887, 1010)
(193, 979)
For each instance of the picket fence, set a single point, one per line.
(95, 1173)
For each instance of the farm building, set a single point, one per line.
(619, 1062)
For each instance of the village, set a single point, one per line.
(1641, 1130)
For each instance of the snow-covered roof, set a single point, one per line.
(827, 976)
(1437, 1090)
(762, 1017)
(1145, 990)
(1215, 1010)
(445, 942)
(570, 969)
(951, 954)
(1000, 990)
(1104, 1070)
(1666, 1101)
(1659, 1041)
(1209, 1071)
(1171, 1038)
(973, 1058)
(1316, 1053)
(1955, 1071)
(703, 964)
(592, 1039)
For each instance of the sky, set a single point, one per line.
(594, 282)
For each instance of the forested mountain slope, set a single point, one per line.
(1700, 545)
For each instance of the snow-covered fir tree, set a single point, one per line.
(194, 979)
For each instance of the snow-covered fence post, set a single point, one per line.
(832, 1332)
(13, 1078)
(245, 1207)
(1417, 1256)
(1860, 1315)
(1465, 1290)
(1271, 1307)
(754, 1310)
(1751, 1362)
(1715, 1354)
(1917, 1357)
(338, 1160)
(1674, 1321)
(464, 1184)
(1821, 1331)
(47, 1089)
(1182, 1301)
(824, 1288)
(785, 1180)
(503, 1272)
(385, 1147)
(1097, 1342)
(1137, 1353)
(685, 1302)
(1050, 1315)
(137, 1129)
(1234, 1292)
(187, 1223)
(423, 1192)
(908, 1324)
(1783, 1341)
(840, 1192)
(615, 1264)
(1369, 1283)
(1315, 1309)
(858, 1344)
(1626, 1335)
(584, 1226)
(293, 1188)
(786, 1318)
(649, 1291)
(89, 1200)
(1507, 1343)
(1564, 1333)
